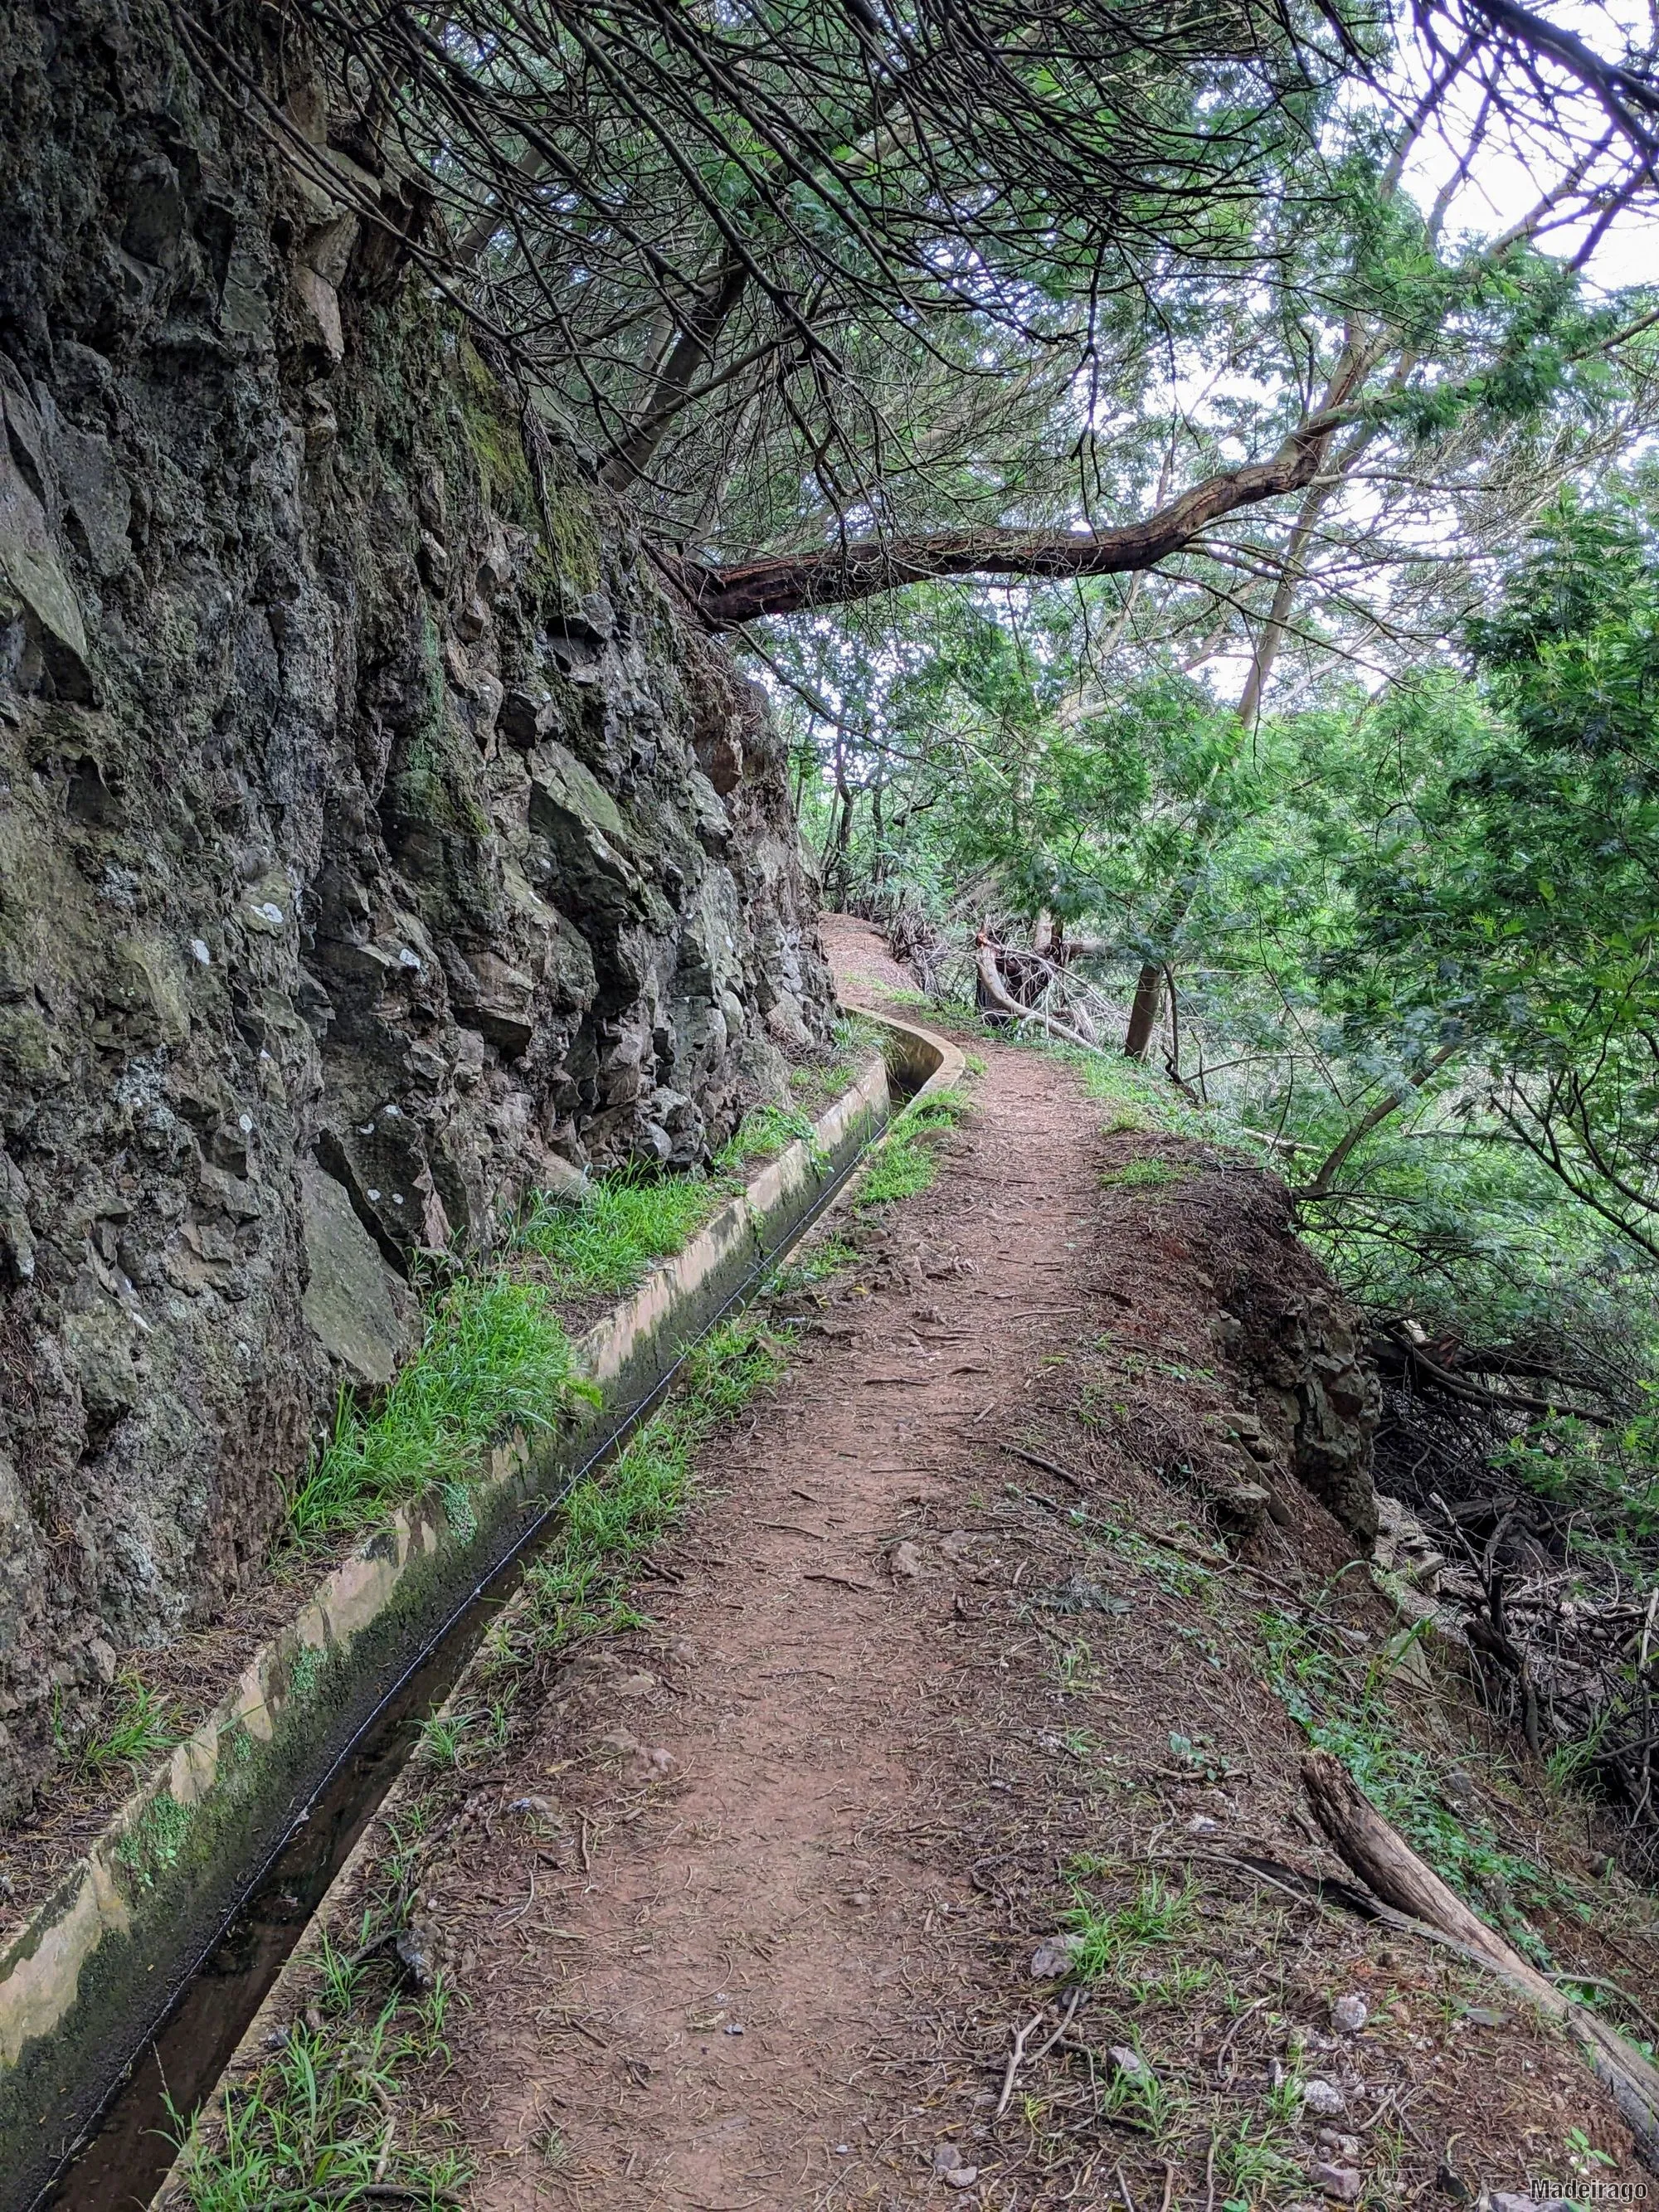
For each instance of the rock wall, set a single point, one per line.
(1284, 1323)
(375, 841)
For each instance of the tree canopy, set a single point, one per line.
(841, 298)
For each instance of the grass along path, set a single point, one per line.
(320, 2119)
(734, 1876)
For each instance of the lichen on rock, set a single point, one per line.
(376, 841)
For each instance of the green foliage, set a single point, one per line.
(132, 1735)
(152, 1844)
(1142, 1174)
(493, 1357)
(764, 1132)
(612, 1519)
(314, 2123)
(821, 1258)
(602, 1241)
(905, 1164)
(1111, 1940)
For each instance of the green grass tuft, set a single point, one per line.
(137, 1731)
(612, 1520)
(602, 1242)
(494, 1358)
(1107, 1941)
(906, 1164)
(314, 2124)
(767, 1131)
(1141, 1175)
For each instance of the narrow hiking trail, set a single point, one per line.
(758, 1927)
(747, 1919)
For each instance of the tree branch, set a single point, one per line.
(836, 575)
(1331, 1165)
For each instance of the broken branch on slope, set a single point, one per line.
(1383, 1860)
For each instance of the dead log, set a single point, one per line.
(985, 957)
(1382, 1859)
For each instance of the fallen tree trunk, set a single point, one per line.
(1382, 1859)
(984, 958)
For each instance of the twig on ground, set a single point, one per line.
(1225, 2047)
(1072, 2005)
(1047, 1466)
(1014, 2059)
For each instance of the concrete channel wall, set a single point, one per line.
(86, 1982)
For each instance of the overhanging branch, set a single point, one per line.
(836, 575)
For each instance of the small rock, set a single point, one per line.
(904, 1563)
(1340, 2149)
(1349, 2015)
(1053, 1957)
(1341, 2182)
(1242, 1507)
(951, 2168)
(536, 1808)
(1323, 2100)
(1202, 1825)
(636, 1686)
(734, 2027)
(415, 1958)
(861, 1897)
(1131, 2063)
(1506, 2201)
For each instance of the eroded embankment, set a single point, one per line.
(742, 1894)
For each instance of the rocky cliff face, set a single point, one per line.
(375, 841)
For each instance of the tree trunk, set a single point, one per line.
(700, 333)
(1144, 1011)
(994, 993)
(843, 828)
(1387, 1864)
(1331, 1165)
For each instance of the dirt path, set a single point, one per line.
(754, 1930)
(811, 1820)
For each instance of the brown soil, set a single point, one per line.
(762, 1936)
(861, 963)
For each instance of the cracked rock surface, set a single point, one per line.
(376, 841)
